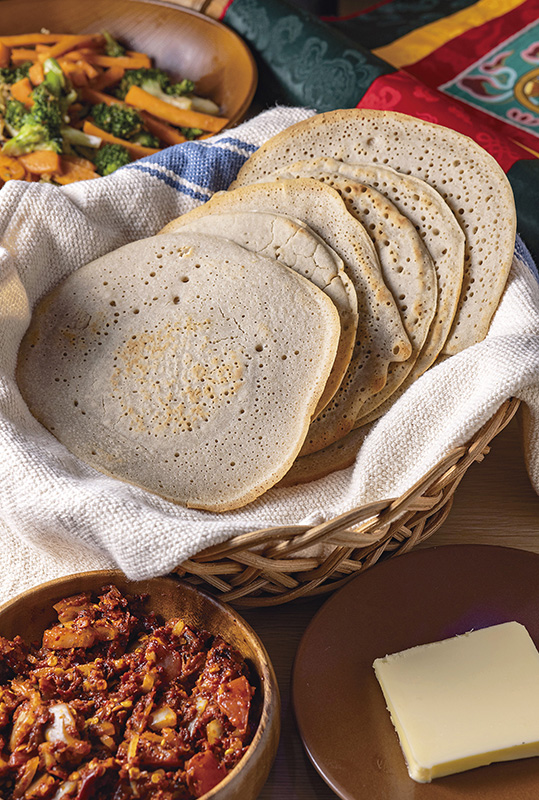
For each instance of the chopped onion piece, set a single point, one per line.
(65, 788)
(62, 717)
(163, 717)
(204, 105)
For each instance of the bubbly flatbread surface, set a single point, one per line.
(407, 267)
(381, 338)
(471, 182)
(183, 364)
(297, 246)
(436, 224)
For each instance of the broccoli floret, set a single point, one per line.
(13, 74)
(146, 139)
(110, 157)
(46, 107)
(54, 80)
(112, 47)
(119, 120)
(58, 84)
(157, 83)
(183, 87)
(16, 113)
(191, 133)
(32, 136)
(145, 77)
(41, 127)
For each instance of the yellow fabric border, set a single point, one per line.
(528, 149)
(423, 41)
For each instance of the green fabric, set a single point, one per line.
(524, 178)
(386, 23)
(301, 60)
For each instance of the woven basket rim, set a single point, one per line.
(275, 565)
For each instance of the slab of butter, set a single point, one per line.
(464, 702)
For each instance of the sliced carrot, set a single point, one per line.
(22, 91)
(109, 77)
(11, 169)
(41, 161)
(127, 62)
(75, 169)
(89, 69)
(166, 133)
(81, 66)
(74, 175)
(91, 50)
(136, 54)
(28, 39)
(136, 150)
(78, 161)
(99, 97)
(5, 55)
(42, 48)
(72, 42)
(77, 76)
(21, 54)
(177, 116)
(73, 55)
(35, 73)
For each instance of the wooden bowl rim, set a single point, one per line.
(239, 114)
(270, 712)
(233, 35)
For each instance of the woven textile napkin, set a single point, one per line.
(58, 515)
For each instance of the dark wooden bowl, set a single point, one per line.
(183, 42)
(31, 612)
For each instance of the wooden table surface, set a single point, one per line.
(494, 504)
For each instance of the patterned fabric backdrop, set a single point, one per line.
(473, 66)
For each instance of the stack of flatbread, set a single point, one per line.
(250, 342)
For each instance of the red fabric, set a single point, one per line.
(403, 92)
(458, 54)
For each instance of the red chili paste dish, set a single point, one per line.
(115, 704)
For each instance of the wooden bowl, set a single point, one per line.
(31, 612)
(183, 42)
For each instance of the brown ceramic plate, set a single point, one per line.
(420, 597)
(183, 42)
(30, 613)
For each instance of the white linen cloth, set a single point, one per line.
(58, 515)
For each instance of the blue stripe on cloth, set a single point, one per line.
(236, 143)
(172, 180)
(198, 169)
(524, 254)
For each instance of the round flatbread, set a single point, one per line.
(471, 182)
(439, 230)
(407, 267)
(183, 364)
(381, 337)
(339, 455)
(294, 244)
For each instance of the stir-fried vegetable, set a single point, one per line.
(116, 704)
(88, 97)
(156, 82)
(11, 75)
(110, 157)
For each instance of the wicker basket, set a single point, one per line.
(266, 567)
